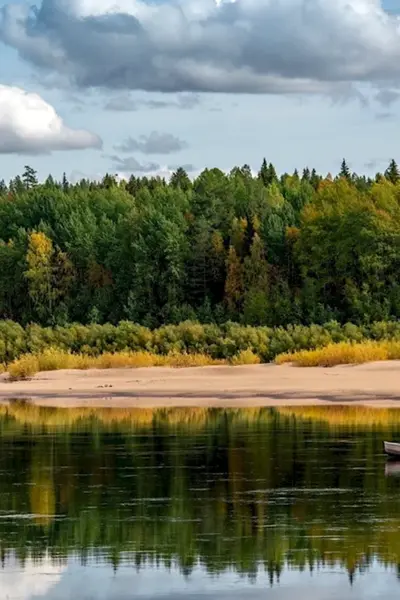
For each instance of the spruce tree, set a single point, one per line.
(344, 170)
(392, 173)
(263, 172)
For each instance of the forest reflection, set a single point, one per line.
(290, 488)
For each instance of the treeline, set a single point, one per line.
(260, 250)
(224, 341)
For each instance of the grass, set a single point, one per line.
(344, 353)
(54, 359)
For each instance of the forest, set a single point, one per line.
(256, 249)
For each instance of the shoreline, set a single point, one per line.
(375, 385)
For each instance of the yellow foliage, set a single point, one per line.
(39, 245)
(23, 367)
(292, 234)
(246, 357)
(217, 242)
(343, 353)
(53, 359)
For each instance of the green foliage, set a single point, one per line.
(267, 250)
(189, 337)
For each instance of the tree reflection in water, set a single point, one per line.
(226, 489)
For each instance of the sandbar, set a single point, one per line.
(374, 385)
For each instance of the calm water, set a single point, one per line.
(195, 505)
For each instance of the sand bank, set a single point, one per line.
(374, 384)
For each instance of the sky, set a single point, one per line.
(144, 86)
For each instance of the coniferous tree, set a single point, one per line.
(65, 184)
(180, 179)
(392, 173)
(344, 170)
(263, 173)
(29, 178)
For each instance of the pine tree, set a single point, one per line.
(263, 172)
(272, 176)
(267, 173)
(344, 170)
(392, 173)
(65, 184)
(315, 179)
(29, 177)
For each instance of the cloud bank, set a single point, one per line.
(250, 46)
(29, 125)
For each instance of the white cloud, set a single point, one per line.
(258, 46)
(29, 125)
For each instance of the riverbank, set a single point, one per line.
(373, 384)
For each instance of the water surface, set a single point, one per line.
(199, 504)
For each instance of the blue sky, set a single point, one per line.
(145, 87)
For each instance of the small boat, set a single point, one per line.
(392, 449)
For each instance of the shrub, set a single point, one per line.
(342, 353)
(246, 357)
(23, 367)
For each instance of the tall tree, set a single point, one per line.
(234, 283)
(392, 172)
(344, 170)
(180, 179)
(255, 306)
(29, 177)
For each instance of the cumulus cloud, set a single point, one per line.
(29, 125)
(154, 143)
(129, 164)
(256, 46)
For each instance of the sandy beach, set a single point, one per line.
(374, 385)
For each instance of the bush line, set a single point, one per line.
(228, 342)
(218, 341)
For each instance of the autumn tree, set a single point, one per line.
(49, 274)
